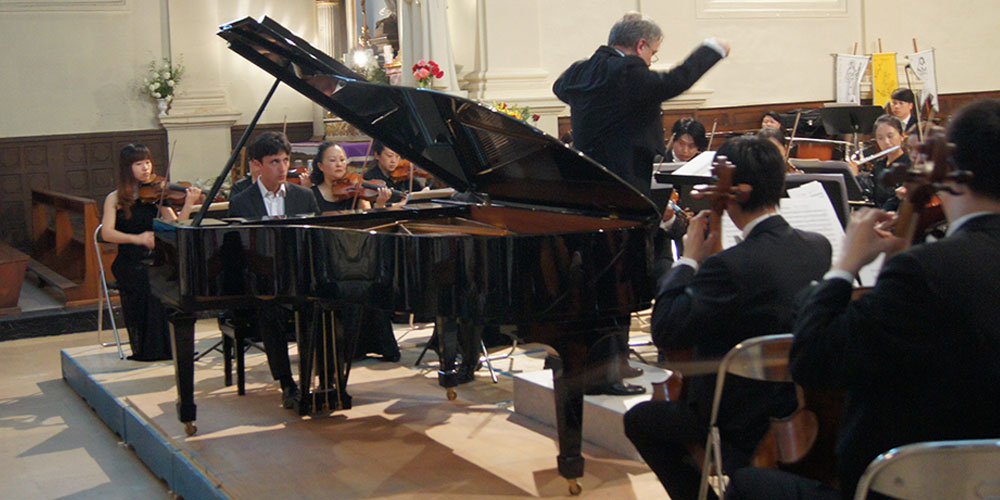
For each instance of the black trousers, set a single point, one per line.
(660, 431)
(271, 322)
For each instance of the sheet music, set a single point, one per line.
(811, 189)
(816, 214)
(699, 166)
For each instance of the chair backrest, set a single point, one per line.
(759, 358)
(938, 469)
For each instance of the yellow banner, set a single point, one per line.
(884, 78)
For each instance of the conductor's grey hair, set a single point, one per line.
(634, 27)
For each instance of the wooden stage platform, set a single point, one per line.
(402, 438)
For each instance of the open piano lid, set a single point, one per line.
(467, 145)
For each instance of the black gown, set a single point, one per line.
(327, 205)
(145, 316)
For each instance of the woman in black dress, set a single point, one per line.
(128, 222)
(329, 167)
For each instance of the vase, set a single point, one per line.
(162, 105)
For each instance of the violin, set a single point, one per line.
(352, 185)
(172, 194)
(405, 169)
(299, 175)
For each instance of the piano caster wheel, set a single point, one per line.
(574, 487)
(452, 395)
(190, 428)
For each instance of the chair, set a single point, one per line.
(935, 469)
(102, 297)
(762, 358)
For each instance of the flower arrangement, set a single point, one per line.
(162, 79)
(522, 113)
(425, 71)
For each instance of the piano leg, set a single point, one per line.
(182, 338)
(568, 383)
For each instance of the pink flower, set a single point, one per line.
(422, 73)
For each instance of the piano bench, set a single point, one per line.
(236, 340)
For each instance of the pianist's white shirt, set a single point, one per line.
(273, 202)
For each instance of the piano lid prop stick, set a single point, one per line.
(232, 159)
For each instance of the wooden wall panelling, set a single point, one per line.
(82, 165)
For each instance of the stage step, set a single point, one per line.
(602, 415)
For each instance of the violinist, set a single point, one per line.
(128, 221)
(330, 175)
(777, 137)
(888, 133)
(386, 161)
(687, 139)
(709, 303)
(917, 355)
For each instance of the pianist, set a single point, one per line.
(273, 196)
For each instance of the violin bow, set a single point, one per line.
(791, 139)
(711, 136)
(166, 174)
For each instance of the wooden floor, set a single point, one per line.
(402, 438)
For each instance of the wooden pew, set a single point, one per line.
(62, 250)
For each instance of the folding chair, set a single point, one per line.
(103, 297)
(935, 469)
(762, 358)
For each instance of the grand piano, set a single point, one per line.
(542, 237)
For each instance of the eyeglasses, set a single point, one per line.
(654, 58)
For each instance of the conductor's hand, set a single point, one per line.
(697, 244)
(865, 240)
(146, 239)
(724, 43)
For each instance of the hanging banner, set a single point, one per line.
(884, 77)
(923, 65)
(850, 69)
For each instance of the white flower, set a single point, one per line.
(152, 87)
(165, 75)
(156, 95)
(145, 81)
(166, 65)
(170, 83)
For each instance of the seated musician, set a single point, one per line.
(888, 133)
(901, 104)
(771, 119)
(128, 221)
(687, 139)
(272, 195)
(329, 167)
(918, 354)
(710, 302)
(777, 137)
(386, 161)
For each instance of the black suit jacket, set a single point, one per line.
(742, 292)
(919, 355)
(615, 107)
(250, 203)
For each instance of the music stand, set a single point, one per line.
(838, 120)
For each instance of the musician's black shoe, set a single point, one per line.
(616, 389)
(629, 371)
(289, 396)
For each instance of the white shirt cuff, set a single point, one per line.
(839, 274)
(686, 261)
(715, 45)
